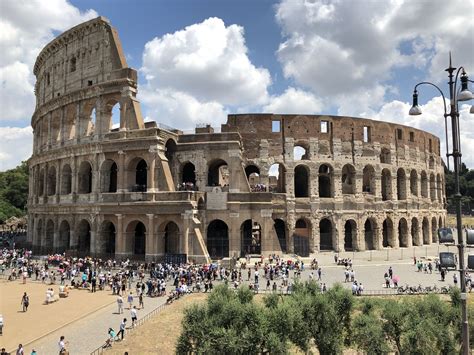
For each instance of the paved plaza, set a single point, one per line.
(84, 317)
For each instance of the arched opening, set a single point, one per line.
(253, 177)
(49, 237)
(189, 175)
(432, 188)
(325, 234)
(172, 238)
(115, 118)
(41, 183)
(251, 238)
(106, 242)
(350, 235)
(66, 180)
(85, 178)
(426, 231)
(348, 179)
(403, 233)
(141, 175)
(91, 126)
(439, 188)
(139, 241)
(300, 153)
(414, 182)
(325, 181)
(170, 150)
(369, 235)
(218, 173)
(51, 181)
(386, 185)
(218, 239)
(387, 233)
(368, 180)
(84, 237)
(401, 184)
(434, 230)
(385, 157)
(415, 232)
(276, 175)
(280, 230)
(301, 237)
(64, 237)
(424, 184)
(440, 223)
(39, 233)
(108, 176)
(301, 181)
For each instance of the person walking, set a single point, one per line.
(140, 301)
(320, 271)
(25, 302)
(130, 300)
(120, 304)
(62, 346)
(121, 332)
(134, 315)
(20, 350)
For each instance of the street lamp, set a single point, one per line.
(463, 95)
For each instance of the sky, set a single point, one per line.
(201, 60)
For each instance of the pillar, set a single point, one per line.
(120, 246)
(121, 178)
(151, 245)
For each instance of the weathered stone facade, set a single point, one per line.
(265, 183)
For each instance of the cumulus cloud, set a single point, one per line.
(15, 146)
(207, 61)
(294, 101)
(25, 27)
(346, 53)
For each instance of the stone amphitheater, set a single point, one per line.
(104, 182)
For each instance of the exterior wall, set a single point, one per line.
(102, 190)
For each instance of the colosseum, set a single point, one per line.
(104, 182)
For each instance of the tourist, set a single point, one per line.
(140, 300)
(320, 271)
(133, 314)
(1, 324)
(455, 279)
(62, 345)
(130, 300)
(120, 304)
(121, 332)
(25, 302)
(4, 352)
(20, 350)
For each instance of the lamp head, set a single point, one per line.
(415, 110)
(465, 94)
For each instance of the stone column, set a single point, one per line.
(122, 173)
(290, 183)
(93, 232)
(234, 235)
(120, 242)
(78, 122)
(378, 238)
(62, 127)
(151, 176)
(151, 245)
(336, 183)
(361, 236)
(290, 245)
(95, 178)
(359, 181)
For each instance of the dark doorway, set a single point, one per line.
(350, 233)
(387, 231)
(324, 181)
(251, 238)
(84, 237)
(113, 178)
(369, 235)
(189, 173)
(140, 239)
(325, 234)
(301, 181)
(280, 230)
(218, 239)
(171, 238)
(141, 175)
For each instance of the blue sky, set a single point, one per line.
(200, 60)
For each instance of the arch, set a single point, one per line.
(385, 156)
(39, 233)
(218, 239)
(348, 179)
(172, 238)
(386, 185)
(424, 184)
(280, 229)
(253, 177)
(218, 173)
(108, 176)
(368, 180)
(432, 188)
(439, 188)
(387, 233)
(413, 182)
(136, 238)
(434, 230)
(251, 238)
(325, 234)
(301, 237)
(415, 232)
(426, 231)
(401, 184)
(83, 237)
(138, 174)
(48, 242)
(111, 115)
(369, 234)
(85, 178)
(106, 240)
(301, 181)
(64, 241)
(350, 235)
(66, 180)
(41, 183)
(170, 150)
(300, 152)
(276, 175)
(402, 232)
(51, 185)
(189, 174)
(325, 180)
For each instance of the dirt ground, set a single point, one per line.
(41, 319)
(158, 335)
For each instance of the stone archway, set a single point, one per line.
(251, 238)
(350, 235)
(325, 234)
(218, 239)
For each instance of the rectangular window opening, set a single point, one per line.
(324, 126)
(412, 136)
(430, 145)
(276, 126)
(366, 134)
(399, 134)
(89, 83)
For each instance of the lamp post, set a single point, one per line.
(463, 95)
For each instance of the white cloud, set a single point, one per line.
(342, 51)
(25, 28)
(15, 146)
(294, 101)
(432, 120)
(207, 61)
